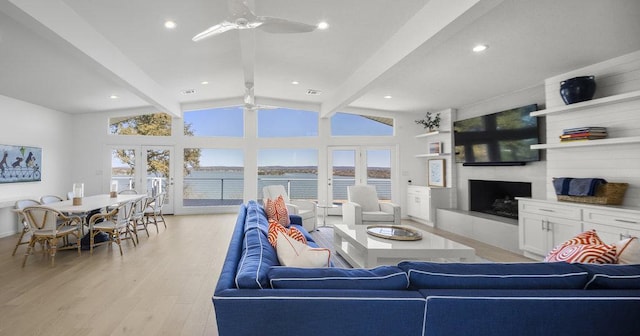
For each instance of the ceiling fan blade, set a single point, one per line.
(215, 30)
(283, 26)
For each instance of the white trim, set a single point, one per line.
(498, 275)
(340, 298)
(377, 278)
(537, 298)
(610, 277)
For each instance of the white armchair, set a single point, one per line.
(303, 208)
(364, 208)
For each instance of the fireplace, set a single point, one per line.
(497, 197)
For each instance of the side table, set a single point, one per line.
(325, 208)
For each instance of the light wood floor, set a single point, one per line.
(162, 287)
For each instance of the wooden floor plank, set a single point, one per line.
(161, 287)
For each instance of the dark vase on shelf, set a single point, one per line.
(578, 89)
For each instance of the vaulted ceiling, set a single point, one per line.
(72, 55)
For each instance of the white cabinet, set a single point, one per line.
(612, 226)
(543, 226)
(422, 202)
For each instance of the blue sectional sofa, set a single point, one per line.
(256, 296)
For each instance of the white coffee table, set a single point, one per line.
(362, 250)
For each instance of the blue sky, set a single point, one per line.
(229, 122)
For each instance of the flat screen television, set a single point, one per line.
(498, 139)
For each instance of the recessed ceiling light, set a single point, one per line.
(387, 97)
(295, 82)
(323, 25)
(204, 82)
(169, 24)
(113, 97)
(480, 48)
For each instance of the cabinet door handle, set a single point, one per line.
(417, 199)
(547, 210)
(624, 236)
(625, 221)
(542, 225)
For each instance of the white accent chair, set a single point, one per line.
(303, 208)
(364, 208)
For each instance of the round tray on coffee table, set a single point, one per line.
(393, 232)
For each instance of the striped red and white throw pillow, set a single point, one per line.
(277, 210)
(275, 227)
(581, 253)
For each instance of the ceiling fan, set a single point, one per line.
(250, 100)
(241, 17)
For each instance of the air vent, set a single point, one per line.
(188, 91)
(313, 92)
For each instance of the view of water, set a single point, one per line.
(229, 185)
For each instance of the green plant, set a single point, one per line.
(429, 121)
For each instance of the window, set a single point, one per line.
(345, 124)
(216, 122)
(213, 177)
(157, 124)
(282, 122)
(295, 169)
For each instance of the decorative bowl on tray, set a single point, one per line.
(393, 232)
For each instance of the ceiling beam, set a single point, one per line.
(436, 21)
(64, 27)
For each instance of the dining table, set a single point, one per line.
(92, 203)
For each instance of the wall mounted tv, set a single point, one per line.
(498, 139)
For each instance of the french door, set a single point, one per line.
(350, 165)
(146, 169)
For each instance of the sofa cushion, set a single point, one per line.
(382, 278)
(276, 209)
(256, 218)
(426, 275)
(291, 252)
(628, 251)
(257, 256)
(612, 276)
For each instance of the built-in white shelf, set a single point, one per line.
(588, 143)
(432, 155)
(424, 135)
(634, 95)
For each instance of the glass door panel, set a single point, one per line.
(379, 171)
(159, 177)
(123, 163)
(342, 173)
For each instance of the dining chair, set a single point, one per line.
(154, 211)
(43, 224)
(19, 206)
(48, 199)
(115, 223)
(137, 218)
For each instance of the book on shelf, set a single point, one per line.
(584, 134)
(580, 138)
(584, 129)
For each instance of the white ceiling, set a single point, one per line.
(71, 55)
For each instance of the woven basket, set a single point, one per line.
(608, 193)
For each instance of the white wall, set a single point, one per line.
(533, 172)
(36, 126)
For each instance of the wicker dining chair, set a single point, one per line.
(47, 225)
(47, 199)
(138, 222)
(153, 212)
(115, 223)
(19, 206)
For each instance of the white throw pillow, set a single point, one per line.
(296, 254)
(628, 251)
